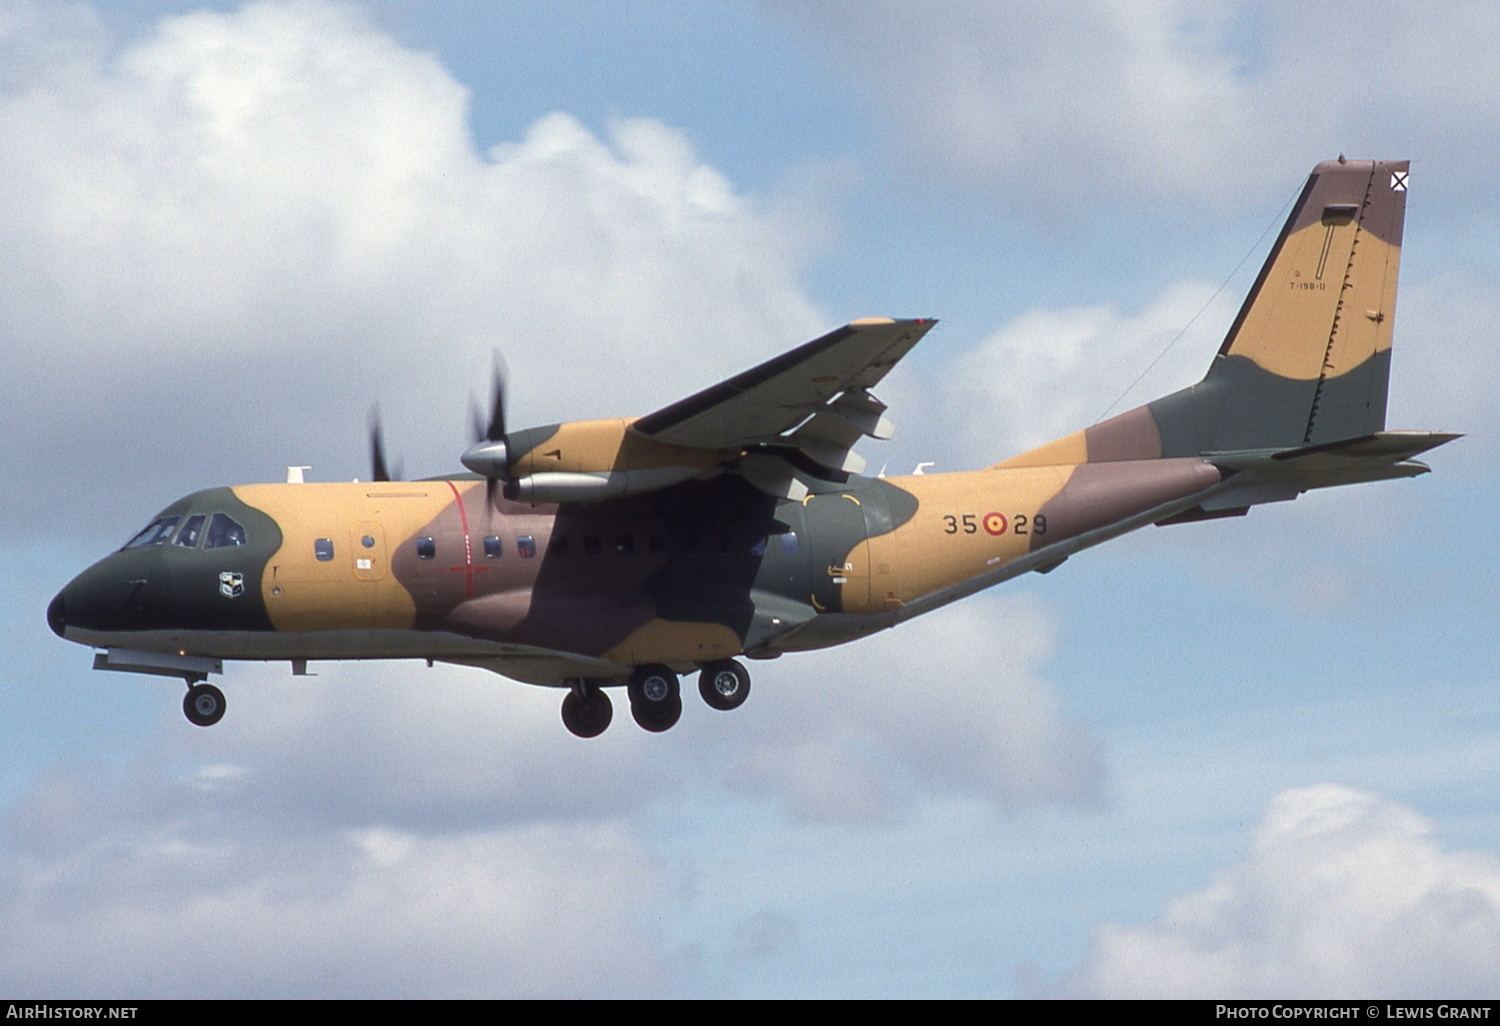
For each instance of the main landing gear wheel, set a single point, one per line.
(724, 685)
(655, 698)
(588, 713)
(203, 705)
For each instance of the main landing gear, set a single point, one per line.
(655, 697)
(587, 709)
(203, 705)
(655, 700)
(724, 685)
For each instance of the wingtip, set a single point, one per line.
(881, 322)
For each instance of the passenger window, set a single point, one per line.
(789, 543)
(323, 549)
(625, 545)
(526, 546)
(726, 545)
(492, 547)
(658, 544)
(558, 546)
(426, 548)
(223, 533)
(188, 536)
(592, 546)
(154, 533)
(758, 547)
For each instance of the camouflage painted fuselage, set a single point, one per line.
(703, 556)
(698, 572)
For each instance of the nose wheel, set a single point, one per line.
(724, 685)
(203, 705)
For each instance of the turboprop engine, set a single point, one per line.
(584, 461)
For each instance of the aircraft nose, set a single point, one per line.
(57, 615)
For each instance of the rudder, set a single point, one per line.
(1307, 360)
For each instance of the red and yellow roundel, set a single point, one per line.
(995, 523)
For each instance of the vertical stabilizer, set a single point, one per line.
(1308, 358)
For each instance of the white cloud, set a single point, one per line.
(1164, 98)
(1052, 371)
(1341, 892)
(954, 703)
(1443, 372)
(396, 743)
(226, 238)
(233, 232)
(151, 890)
(386, 829)
(951, 703)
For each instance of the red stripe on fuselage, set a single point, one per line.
(468, 567)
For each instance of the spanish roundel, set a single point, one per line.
(995, 523)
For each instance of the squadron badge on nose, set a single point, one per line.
(231, 584)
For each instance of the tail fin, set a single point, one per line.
(1307, 361)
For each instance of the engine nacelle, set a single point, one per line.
(586, 461)
(568, 486)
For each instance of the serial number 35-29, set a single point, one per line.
(994, 523)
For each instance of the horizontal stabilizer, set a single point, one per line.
(1377, 457)
(1382, 446)
(1278, 475)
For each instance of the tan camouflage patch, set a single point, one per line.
(1334, 277)
(304, 593)
(667, 641)
(965, 524)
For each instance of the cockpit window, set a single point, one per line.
(155, 533)
(191, 531)
(223, 532)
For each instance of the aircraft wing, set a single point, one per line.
(814, 398)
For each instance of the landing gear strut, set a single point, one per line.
(724, 685)
(587, 710)
(203, 705)
(655, 699)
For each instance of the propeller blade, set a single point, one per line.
(379, 469)
(476, 418)
(489, 456)
(497, 401)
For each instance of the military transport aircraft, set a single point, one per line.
(734, 523)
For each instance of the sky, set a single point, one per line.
(1257, 757)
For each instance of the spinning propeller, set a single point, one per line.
(379, 471)
(489, 455)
